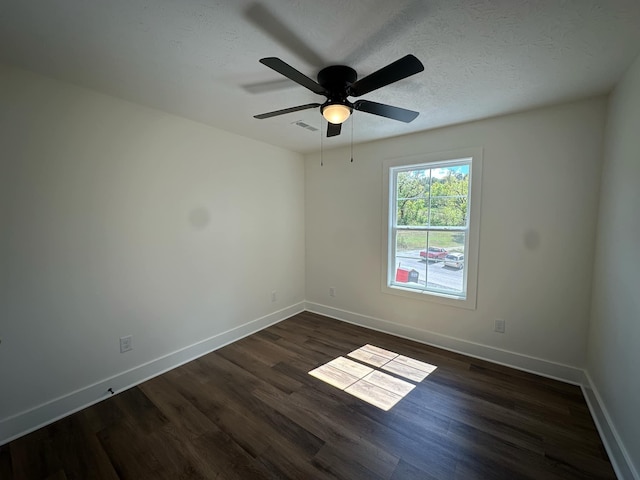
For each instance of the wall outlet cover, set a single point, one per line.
(126, 343)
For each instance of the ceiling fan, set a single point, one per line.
(337, 82)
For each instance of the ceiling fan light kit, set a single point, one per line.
(335, 113)
(337, 82)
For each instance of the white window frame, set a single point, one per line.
(470, 273)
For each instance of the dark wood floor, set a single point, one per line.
(251, 411)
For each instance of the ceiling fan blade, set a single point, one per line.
(333, 129)
(395, 113)
(402, 68)
(293, 74)
(286, 110)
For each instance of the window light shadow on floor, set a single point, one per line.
(369, 383)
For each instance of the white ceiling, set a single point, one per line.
(199, 58)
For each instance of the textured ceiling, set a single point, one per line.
(199, 58)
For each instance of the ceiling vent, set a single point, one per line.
(300, 123)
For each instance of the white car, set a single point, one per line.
(455, 260)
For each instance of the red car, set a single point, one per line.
(434, 253)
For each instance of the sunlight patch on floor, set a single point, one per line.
(369, 384)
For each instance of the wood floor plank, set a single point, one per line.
(283, 465)
(406, 471)
(483, 448)
(79, 450)
(132, 451)
(177, 409)
(102, 415)
(232, 407)
(341, 462)
(6, 470)
(137, 407)
(59, 475)
(217, 448)
(33, 456)
(250, 410)
(259, 370)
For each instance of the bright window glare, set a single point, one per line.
(371, 385)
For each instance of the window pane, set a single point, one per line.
(412, 193)
(412, 212)
(449, 193)
(447, 261)
(409, 265)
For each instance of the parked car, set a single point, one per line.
(434, 253)
(455, 260)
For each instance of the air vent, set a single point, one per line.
(300, 123)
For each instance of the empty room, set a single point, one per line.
(295, 239)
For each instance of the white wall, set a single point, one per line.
(614, 335)
(540, 184)
(120, 220)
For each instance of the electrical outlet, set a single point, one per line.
(274, 296)
(499, 325)
(332, 291)
(126, 343)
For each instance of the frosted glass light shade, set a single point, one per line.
(336, 113)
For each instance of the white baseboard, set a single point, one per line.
(618, 454)
(29, 420)
(519, 361)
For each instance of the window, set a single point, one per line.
(431, 235)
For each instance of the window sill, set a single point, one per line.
(433, 297)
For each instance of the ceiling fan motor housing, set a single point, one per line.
(337, 79)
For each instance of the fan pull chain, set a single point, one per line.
(352, 139)
(321, 143)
